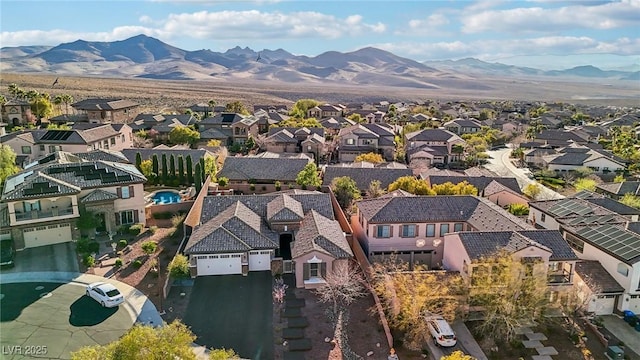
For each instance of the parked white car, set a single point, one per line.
(105, 294)
(441, 332)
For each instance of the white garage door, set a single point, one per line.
(46, 235)
(260, 260)
(603, 305)
(219, 264)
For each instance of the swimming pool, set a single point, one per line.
(166, 197)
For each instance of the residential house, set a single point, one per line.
(290, 140)
(596, 233)
(561, 137)
(333, 125)
(325, 111)
(434, 146)
(545, 249)
(502, 191)
(44, 201)
(269, 118)
(33, 144)
(291, 230)
(259, 170)
(619, 190)
(365, 138)
(632, 214)
(102, 111)
(596, 287)
(363, 173)
(572, 158)
(413, 227)
(274, 108)
(16, 112)
(237, 128)
(463, 126)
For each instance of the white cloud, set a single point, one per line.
(606, 16)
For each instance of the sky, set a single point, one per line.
(545, 34)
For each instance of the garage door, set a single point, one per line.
(46, 235)
(220, 264)
(603, 305)
(260, 260)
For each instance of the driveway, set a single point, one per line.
(58, 258)
(234, 312)
(466, 343)
(44, 319)
(623, 332)
(500, 163)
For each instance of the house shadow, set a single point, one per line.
(87, 312)
(18, 296)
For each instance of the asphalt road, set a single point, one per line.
(500, 163)
(50, 320)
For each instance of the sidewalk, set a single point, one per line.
(466, 341)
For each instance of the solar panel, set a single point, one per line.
(623, 243)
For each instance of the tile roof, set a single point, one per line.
(282, 136)
(364, 177)
(98, 195)
(102, 154)
(597, 278)
(224, 118)
(103, 104)
(567, 158)
(626, 187)
(553, 240)
(320, 234)
(213, 133)
(39, 185)
(431, 135)
(284, 208)
(297, 130)
(485, 244)
(478, 212)
(479, 182)
(262, 169)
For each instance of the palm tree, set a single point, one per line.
(212, 105)
(66, 100)
(3, 100)
(58, 101)
(14, 90)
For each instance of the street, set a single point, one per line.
(500, 163)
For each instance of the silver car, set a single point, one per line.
(105, 294)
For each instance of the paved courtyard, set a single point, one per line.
(233, 311)
(49, 320)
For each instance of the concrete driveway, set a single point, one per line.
(466, 343)
(49, 320)
(234, 312)
(58, 258)
(625, 333)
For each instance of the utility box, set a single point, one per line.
(615, 352)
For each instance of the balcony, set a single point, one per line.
(559, 277)
(43, 214)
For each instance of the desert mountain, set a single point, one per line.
(146, 57)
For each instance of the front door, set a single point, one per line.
(101, 226)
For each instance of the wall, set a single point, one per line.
(136, 202)
(504, 198)
(602, 163)
(455, 255)
(301, 260)
(549, 222)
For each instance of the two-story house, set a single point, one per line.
(435, 146)
(414, 227)
(324, 111)
(236, 127)
(16, 112)
(597, 233)
(291, 230)
(463, 126)
(33, 144)
(502, 191)
(45, 200)
(365, 138)
(115, 111)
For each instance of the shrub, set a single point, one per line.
(86, 246)
(252, 187)
(179, 267)
(278, 185)
(137, 264)
(122, 243)
(519, 209)
(136, 229)
(88, 260)
(177, 219)
(264, 188)
(163, 215)
(118, 262)
(153, 229)
(149, 247)
(223, 181)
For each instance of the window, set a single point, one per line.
(26, 149)
(554, 266)
(126, 217)
(124, 191)
(543, 217)
(408, 231)
(42, 147)
(123, 138)
(623, 269)
(113, 141)
(457, 227)
(575, 243)
(314, 270)
(383, 231)
(444, 228)
(350, 141)
(431, 230)
(367, 141)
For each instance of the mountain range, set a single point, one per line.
(146, 57)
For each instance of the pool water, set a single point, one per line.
(166, 197)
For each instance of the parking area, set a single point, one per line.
(58, 257)
(233, 311)
(49, 320)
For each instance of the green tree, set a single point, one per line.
(189, 170)
(448, 188)
(509, 291)
(375, 189)
(184, 135)
(370, 157)
(171, 341)
(250, 144)
(138, 160)
(223, 181)
(412, 185)
(223, 354)
(164, 171)
(532, 190)
(181, 176)
(585, 184)
(198, 178)
(357, 118)
(155, 166)
(203, 175)
(210, 166)
(146, 168)
(236, 107)
(7, 163)
(457, 355)
(298, 123)
(631, 200)
(172, 166)
(518, 209)
(309, 176)
(214, 143)
(299, 109)
(3, 100)
(619, 178)
(66, 100)
(346, 191)
(179, 267)
(87, 220)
